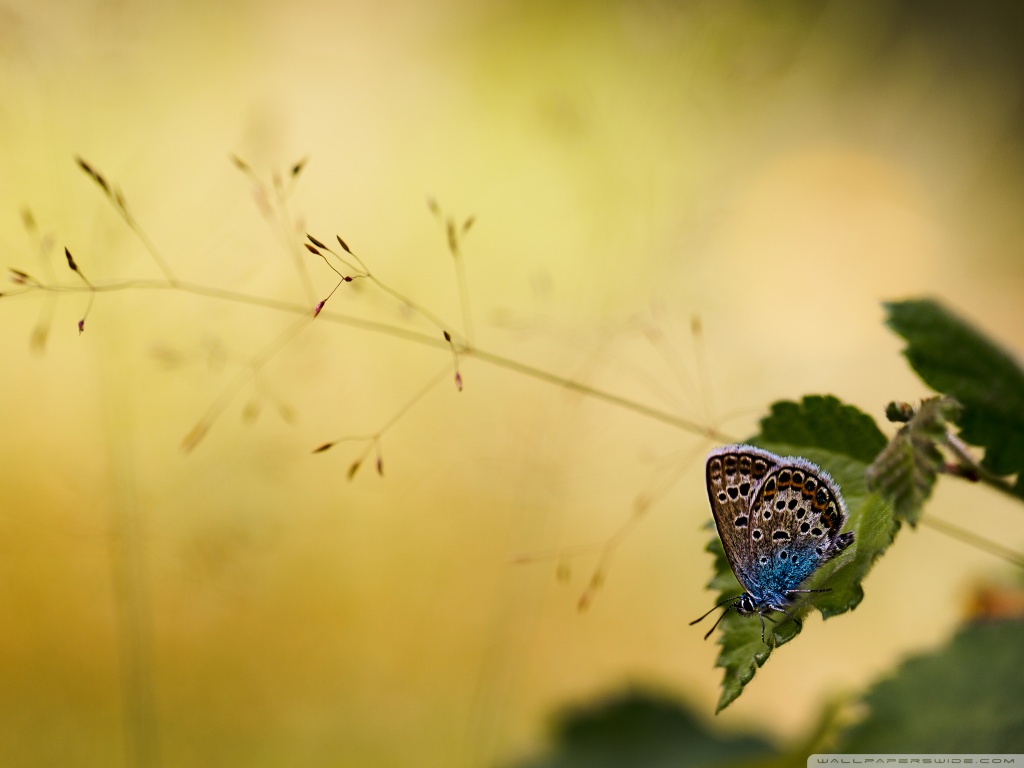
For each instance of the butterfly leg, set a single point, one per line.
(796, 621)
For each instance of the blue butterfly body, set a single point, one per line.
(779, 519)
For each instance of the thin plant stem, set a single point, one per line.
(974, 540)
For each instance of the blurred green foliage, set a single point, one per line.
(643, 730)
(967, 697)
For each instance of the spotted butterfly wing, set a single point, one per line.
(795, 523)
(735, 474)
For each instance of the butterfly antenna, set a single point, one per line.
(728, 600)
(716, 623)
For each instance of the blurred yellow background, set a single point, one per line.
(775, 170)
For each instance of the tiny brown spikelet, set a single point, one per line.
(453, 238)
(193, 438)
(94, 174)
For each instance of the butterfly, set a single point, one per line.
(779, 519)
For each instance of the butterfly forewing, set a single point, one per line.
(735, 474)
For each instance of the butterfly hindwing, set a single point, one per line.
(796, 517)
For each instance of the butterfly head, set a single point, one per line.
(745, 605)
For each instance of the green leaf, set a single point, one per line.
(839, 439)
(906, 471)
(646, 730)
(966, 697)
(822, 421)
(956, 359)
